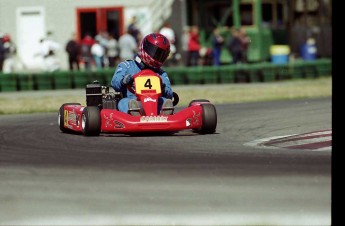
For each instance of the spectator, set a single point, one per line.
(112, 51)
(73, 49)
(9, 64)
(85, 51)
(169, 33)
(217, 43)
(97, 52)
(47, 50)
(235, 46)
(133, 29)
(245, 41)
(102, 38)
(184, 44)
(2, 52)
(128, 46)
(206, 56)
(193, 47)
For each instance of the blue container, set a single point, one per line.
(280, 59)
(280, 54)
(308, 52)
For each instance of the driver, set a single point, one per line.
(153, 51)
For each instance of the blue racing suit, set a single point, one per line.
(132, 67)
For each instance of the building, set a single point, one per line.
(28, 21)
(267, 22)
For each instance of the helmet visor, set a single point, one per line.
(155, 52)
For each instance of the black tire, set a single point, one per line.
(91, 121)
(176, 99)
(209, 119)
(61, 117)
(198, 100)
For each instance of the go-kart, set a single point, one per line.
(101, 114)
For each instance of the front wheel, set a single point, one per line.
(91, 121)
(209, 119)
(199, 101)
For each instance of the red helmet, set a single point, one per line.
(154, 49)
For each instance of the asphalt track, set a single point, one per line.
(51, 178)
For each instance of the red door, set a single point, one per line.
(94, 20)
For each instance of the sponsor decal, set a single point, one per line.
(158, 118)
(188, 122)
(119, 125)
(65, 118)
(196, 117)
(110, 122)
(147, 99)
(71, 117)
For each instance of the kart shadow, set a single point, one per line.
(154, 134)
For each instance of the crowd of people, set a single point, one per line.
(196, 54)
(105, 51)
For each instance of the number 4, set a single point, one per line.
(148, 83)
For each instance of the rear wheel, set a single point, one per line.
(176, 99)
(61, 117)
(209, 119)
(91, 121)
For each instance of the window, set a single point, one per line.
(93, 20)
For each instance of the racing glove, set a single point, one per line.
(127, 80)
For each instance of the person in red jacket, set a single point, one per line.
(193, 47)
(85, 51)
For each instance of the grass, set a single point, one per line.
(50, 101)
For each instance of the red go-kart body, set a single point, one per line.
(102, 116)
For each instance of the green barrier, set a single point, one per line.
(8, 82)
(258, 72)
(297, 71)
(310, 71)
(62, 80)
(43, 82)
(324, 67)
(209, 75)
(177, 76)
(283, 72)
(194, 75)
(269, 72)
(242, 73)
(97, 76)
(25, 82)
(255, 73)
(79, 79)
(226, 74)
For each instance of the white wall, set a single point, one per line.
(60, 16)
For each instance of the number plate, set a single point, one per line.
(147, 84)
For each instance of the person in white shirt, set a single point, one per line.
(112, 51)
(97, 52)
(48, 49)
(169, 33)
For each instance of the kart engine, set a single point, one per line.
(103, 97)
